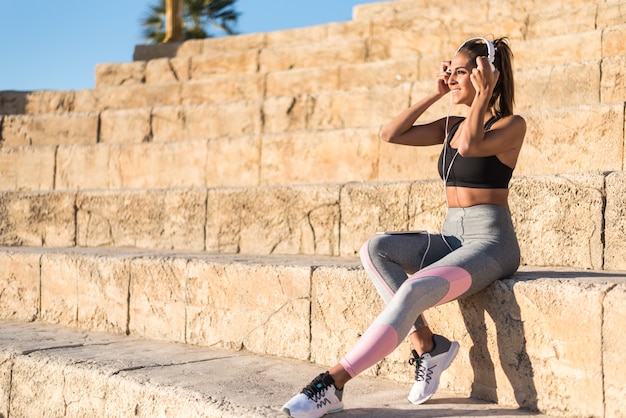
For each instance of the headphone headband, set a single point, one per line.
(491, 50)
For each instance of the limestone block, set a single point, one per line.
(559, 220)
(157, 219)
(558, 86)
(224, 119)
(86, 167)
(567, 379)
(168, 70)
(562, 21)
(27, 168)
(315, 54)
(296, 36)
(85, 291)
(35, 384)
(347, 29)
(610, 14)
(206, 121)
(615, 222)
(50, 129)
(222, 88)
(302, 81)
(136, 96)
(584, 46)
(427, 208)
(358, 108)
(191, 47)
(157, 298)
(287, 113)
(160, 165)
(224, 44)
(613, 351)
(614, 41)
(237, 306)
(49, 101)
(274, 220)
(233, 62)
(125, 126)
(373, 74)
(613, 86)
(404, 163)
(576, 139)
(118, 74)
(6, 365)
(326, 156)
(233, 161)
(368, 208)
(37, 219)
(19, 281)
(168, 124)
(344, 304)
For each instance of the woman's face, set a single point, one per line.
(459, 81)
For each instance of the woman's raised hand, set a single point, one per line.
(482, 77)
(442, 78)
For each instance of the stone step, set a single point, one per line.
(393, 41)
(300, 143)
(59, 371)
(573, 220)
(555, 85)
(518, 346)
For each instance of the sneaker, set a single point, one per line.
(428, 368)
(318, 398)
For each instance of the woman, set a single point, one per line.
(477, 245)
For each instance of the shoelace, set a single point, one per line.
(420, 370)
(316, 389)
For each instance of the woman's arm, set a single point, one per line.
(401, 129)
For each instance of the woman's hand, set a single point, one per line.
(483, 78)
(442, 78)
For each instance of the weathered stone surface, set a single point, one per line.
(327, 156)
(125, 126)
(569, 140)
(559, 220)
(27, 168)
(233, 161)
(312, 55)
(613, 40)
(142, 219)
(588, 47)
(228, 62)
(287, 113)
(157, 298)
(37, 219)
(50, 129)
(233, 306)
(613, 351)
(615, 222)
(294, 82)
(223, 88)
(168, 70)
(285, 220)
(559, 85)
(20, 284)
(118, 74)
(357, 108)
(86, 167)
(373, 74)
(613, 86)
(562, 21)
(567, 379)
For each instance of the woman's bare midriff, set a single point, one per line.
(463, 197)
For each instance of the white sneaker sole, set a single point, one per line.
(447, 361)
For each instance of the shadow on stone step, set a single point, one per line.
(498, 301)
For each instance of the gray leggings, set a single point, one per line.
(480, 247)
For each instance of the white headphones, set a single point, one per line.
(491, 50)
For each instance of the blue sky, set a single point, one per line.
(56, 44)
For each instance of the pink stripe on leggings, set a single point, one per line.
(460, 280)
(374, 345)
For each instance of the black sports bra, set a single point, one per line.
(473, 172)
